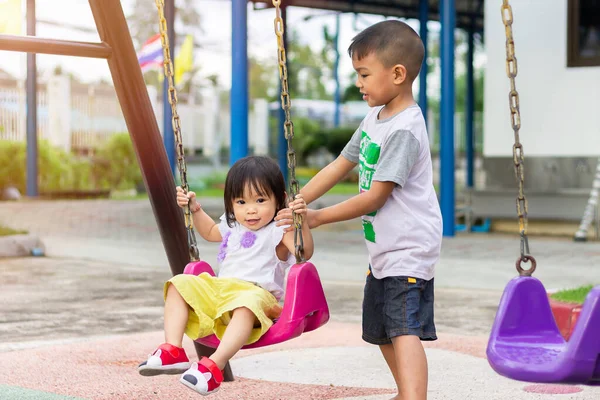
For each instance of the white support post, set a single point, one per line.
(59, 112)
(190, 128)
(210, 105)
(261, 127)
(591, 209)
(22, 115)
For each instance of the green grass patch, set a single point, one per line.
(6, 231)
(576, 295)
(212, 186)
(341, 188)
(203, 191)
(344, 188)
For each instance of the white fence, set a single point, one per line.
(80, 118)
(13, 114)
(94, 117)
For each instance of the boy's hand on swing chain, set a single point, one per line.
(298, 205)
(285, 217)
(184, 198)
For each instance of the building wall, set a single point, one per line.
(560, 116)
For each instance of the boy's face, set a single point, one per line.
(378, 84)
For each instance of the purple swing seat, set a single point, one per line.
(525, 343)
(304, 309)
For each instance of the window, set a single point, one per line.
(583, 38)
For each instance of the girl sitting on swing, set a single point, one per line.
(240, 304)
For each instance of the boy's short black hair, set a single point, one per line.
(393, 42)
(264, 176)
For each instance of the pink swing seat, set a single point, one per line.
(304, 308)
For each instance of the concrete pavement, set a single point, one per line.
(76, 323)
(125, 232)
(330, 363)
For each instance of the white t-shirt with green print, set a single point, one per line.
(403, 237)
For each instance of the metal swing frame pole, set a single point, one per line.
(152, 157)
(143, 128)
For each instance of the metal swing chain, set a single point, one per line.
(172, 95)
(518, 159)
(288, 127)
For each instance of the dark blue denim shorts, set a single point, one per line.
(397, 306)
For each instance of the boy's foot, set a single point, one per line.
(167, 359)
(204, 377)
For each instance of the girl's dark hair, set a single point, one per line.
(264, 176)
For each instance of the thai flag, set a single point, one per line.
(151, 54)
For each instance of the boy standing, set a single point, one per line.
(397, 202)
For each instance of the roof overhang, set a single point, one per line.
(469, 13)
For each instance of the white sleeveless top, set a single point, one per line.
(251, 256)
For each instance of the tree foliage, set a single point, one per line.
(143, 24)
(143, 21)
(308, 70)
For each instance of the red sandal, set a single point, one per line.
(204, 377)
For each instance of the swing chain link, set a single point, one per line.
(175, 121)
(518, 157)
(288, 127)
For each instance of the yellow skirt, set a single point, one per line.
(212, 301)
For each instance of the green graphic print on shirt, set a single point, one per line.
(369, 156)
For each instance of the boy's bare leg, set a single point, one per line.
(236, 335)
(411, 366)
(390, 358)
(176, 316)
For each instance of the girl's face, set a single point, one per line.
(253, 210)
